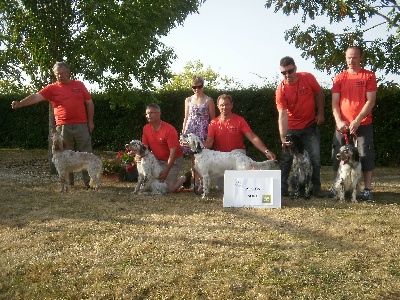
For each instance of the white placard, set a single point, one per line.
(253, 188)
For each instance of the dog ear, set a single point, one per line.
(299, 143)
(142, 149)
(59, 145)
(356, 154)
(198, 148)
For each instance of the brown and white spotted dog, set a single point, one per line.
(67, 161)
(212, 164)
(349, 173)
(300, 179)
(149, 170)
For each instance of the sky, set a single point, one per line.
(240, 39)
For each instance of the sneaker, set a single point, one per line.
(331, 193)
(188, 182)
(367, 195)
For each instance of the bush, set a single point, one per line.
(119, 118)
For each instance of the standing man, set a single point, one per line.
(296, 98)
(353, 97)
(73, 111)
(162, 138)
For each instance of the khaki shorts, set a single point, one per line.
(174, 172)
(76, 137)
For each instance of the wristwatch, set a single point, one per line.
(266, 152)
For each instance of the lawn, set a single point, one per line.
(112, 244)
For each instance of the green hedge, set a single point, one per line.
(120, 118)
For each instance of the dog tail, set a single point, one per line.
(264, 165)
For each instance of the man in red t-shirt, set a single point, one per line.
(162, 139)
(296, 98)
(226, 131)
(353, 97)
(73, 111)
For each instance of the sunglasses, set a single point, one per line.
(290, 71)
(195, 87)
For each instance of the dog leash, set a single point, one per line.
(346, 137)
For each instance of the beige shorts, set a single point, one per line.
(176, 168)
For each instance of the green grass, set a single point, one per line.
(112, 244)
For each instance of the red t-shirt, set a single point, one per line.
(68, 100)
(161, 141)
(353, 89)
(228, 134)
(299, 100)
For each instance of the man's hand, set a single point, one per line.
(354, 126)
(15, 104)
(163, 175)
(342, 126)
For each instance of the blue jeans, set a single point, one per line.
(311, 140)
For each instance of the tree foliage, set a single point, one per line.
(213, 80)
(114, 43)
(326, 48)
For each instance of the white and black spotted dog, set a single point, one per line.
(149, 170)
(67, 161)
(212, 164)
(349, 173)
(300, 179)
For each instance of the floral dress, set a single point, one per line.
(197, 122)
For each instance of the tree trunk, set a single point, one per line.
(52, 168)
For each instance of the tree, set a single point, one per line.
(327, 48)
(114, 43)
(181, 81)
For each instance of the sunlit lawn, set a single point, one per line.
(112, 244)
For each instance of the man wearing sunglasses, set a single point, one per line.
(296, 98)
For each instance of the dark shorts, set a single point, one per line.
(365, 141)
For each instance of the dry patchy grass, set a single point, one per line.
(114, 245)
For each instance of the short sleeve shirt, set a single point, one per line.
(68, 100)
(228, 134)
(161, 141)
(298, 99)
(353, 89)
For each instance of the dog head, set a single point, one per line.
(294, 144)
(136, 147)
(348, 154)
(57, 140)
(193, 142)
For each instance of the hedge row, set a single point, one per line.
(120, 118)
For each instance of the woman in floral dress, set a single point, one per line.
(199, 111)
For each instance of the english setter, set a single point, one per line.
(212, 164)
(300, 178)
(349, 173)
(149, 169)
(67, 161)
